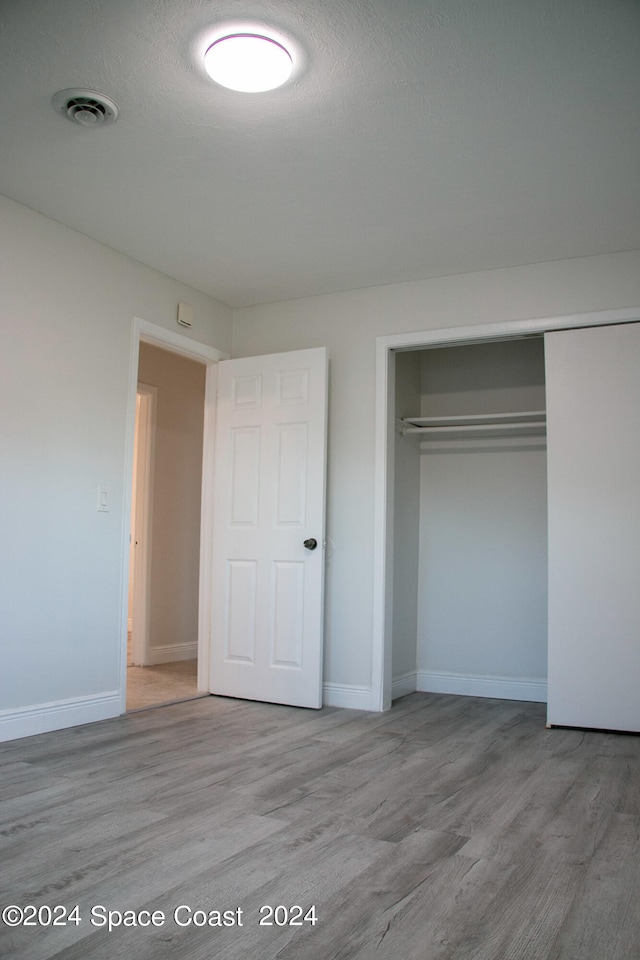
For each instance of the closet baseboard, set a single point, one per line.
(346, 695)
(500, 688)
(404, 684)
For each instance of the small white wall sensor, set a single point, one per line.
(185, 315)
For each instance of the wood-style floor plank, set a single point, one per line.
(449, 828)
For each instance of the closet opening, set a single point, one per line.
(469, 578)
(459, 582)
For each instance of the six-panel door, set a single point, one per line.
(269, 498)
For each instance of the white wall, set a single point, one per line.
(177, 486)
(66, 318)
(348, 324)
(483, 573)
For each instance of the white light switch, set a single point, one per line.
(103, 499)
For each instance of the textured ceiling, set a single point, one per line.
(419, 138)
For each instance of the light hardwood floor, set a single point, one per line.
(449, 828)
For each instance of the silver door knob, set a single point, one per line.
(311, 543)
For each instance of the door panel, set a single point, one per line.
(240, 627)
(269, 492)
(593, 465)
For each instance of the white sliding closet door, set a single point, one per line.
(593, 464)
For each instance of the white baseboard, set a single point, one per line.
(171, 652)
(500, 688)
(346, 695)
(404, 684)
(45, 717)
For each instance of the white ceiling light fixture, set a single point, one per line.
(248, 62)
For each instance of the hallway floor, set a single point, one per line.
(161, 684)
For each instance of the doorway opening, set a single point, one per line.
(166, 592)
(165, 541)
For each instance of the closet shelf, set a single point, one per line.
(526, 423)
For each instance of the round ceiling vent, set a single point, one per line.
(85, 107)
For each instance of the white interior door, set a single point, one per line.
(593, 465)
(269, 497)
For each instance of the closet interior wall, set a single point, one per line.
(470, 526)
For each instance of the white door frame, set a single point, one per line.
(142, 520)
(382, 639)
(144, 330)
